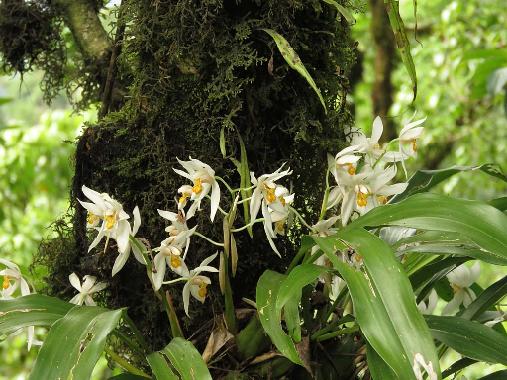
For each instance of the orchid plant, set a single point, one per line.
(377, 266)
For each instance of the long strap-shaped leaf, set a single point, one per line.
(384, 303)
(423, 180)
(75, 343)
(31, 310)
(265, 297)
(480, 223)
(184, 358)
(402, 42)
(469, 338)
(292, 58)
(486, 299)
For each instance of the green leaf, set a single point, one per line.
(478, 222)
(289, 295)
(245, 182)
(392, 285)
(342, 10)
(292, 58)
(266, 299)
(469, 338)
(127, 376)
(31, 310)
(222, 142)
(402, 42)
(498, 375)
(75, 343)
(186, 360)
(379, 370)
(423, 180)
(488, 298)
(160, 367)
(458, 366)
(370, 312)
(499, 203)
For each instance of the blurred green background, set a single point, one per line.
(461, 64)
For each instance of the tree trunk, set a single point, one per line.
(193, 68)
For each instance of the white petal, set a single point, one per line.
(453, 305)
(215, 199)
(411, 125)
(159, 264)
(88, 282)
(120, 261)
(123, 235)
(347, 206)
(193, 207)
(335, 196)
(89, 301)
(255, 203)
(77, 299)
(25, 289)
(9, 264)
(377, 129)
(74, 281)
(137, 220)
(183, 174)
(169, 215)
(94, 196)
(397, 188)
(137, 253)
(92, 207)
(208, 259)
(97, 240)
(98, 287)
(186, 297)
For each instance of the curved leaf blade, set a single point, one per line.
(480, 223)
(469, 338)
(393, 286)
(75, 343)
(293, 60)
(371, 314)
(186, 360)
(424, 180)
(486, 299)
(31, 310)
(342, 10)
(269, 316)
(160, 367)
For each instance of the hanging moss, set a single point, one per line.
(196, 66)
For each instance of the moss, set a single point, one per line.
(195, 67)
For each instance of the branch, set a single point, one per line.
(81, 18)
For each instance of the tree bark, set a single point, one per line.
(385, 63)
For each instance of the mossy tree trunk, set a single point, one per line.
(186, 69)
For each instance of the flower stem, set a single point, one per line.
(171, 314)
(125, 364)
(226, 184)
(208, 239)
(248, 225)
(323, 209)
(301, 218)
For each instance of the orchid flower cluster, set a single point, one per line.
(363, 171)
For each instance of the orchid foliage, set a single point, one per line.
(382, 278)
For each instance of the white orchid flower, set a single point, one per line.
(408, 137)
(13, 280)
(352, 191)
(378, 189)
(86, 289)
(204, 182)
(264, 189)
(169, 253)
(196, 284)
(428, 305)
(367, 145)
(420, 366)
(461, 279)
(114, 220)
(123, 256)
(277, 213)
(343, 162)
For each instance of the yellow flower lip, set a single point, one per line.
(6, 283)
(203, 289)
(197, 188)
(110, 221)
(175, 261)
(92, 218)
